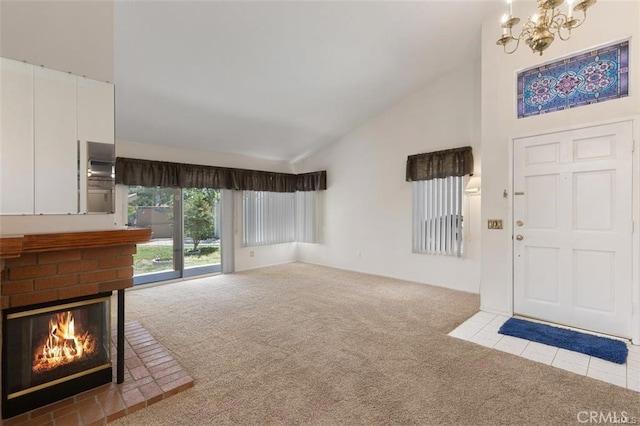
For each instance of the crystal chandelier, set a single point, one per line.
(540, 29)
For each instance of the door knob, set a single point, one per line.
(519, 237)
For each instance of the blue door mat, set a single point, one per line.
(599, 347)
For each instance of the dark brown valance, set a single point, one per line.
(194, 176)
(255, 180)
(140, 172)
(440, 164)
(131, 171)
(314, 181)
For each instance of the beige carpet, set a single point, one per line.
(304, 344)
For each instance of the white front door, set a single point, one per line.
(572, 228)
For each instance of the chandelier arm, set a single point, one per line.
(581, 21)
(555, 18)
(558, 21)
(560, 24)
(514, 48)
(526, 32)
(568, 35)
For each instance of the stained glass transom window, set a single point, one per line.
(595, 76)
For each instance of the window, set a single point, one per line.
(268, 217)
(278, 217)
(185, 225)
(437, 199)
(437, 216)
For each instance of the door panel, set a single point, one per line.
(542, 281)
(573, 212)
(594, 278)
(542, 191)
(542, 154)
(601, 147)
(594, 200)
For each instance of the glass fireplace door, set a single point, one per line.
(50, 348)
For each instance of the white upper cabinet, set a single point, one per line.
(16, 137)
(95, 111)
(56, 152)
(47, 119)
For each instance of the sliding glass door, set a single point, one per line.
(201, 224)
(185, 232)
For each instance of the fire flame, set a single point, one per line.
(63, 345)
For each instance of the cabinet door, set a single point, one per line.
(16, 137)
(56, 147)
(95, 111)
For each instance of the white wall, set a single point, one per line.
(608, 21)
(263, 255)
(73, 36)
(177, 154)
(368, 205)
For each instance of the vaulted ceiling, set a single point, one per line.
(279, 80)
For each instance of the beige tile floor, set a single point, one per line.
(482, 328)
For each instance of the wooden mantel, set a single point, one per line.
(16, 245)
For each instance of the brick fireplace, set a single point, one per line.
(60, 276)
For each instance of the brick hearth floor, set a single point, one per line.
(151, 374)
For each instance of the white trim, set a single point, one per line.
(509, 223)
(268, 265)
(635, 295)
(572, 127)
(571, 55)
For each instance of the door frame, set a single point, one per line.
(635, 185)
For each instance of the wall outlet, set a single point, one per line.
(251, 253)
(494, 223)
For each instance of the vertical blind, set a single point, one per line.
(437, 216)
(306, 216)
(268, 217)
(278, 217)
